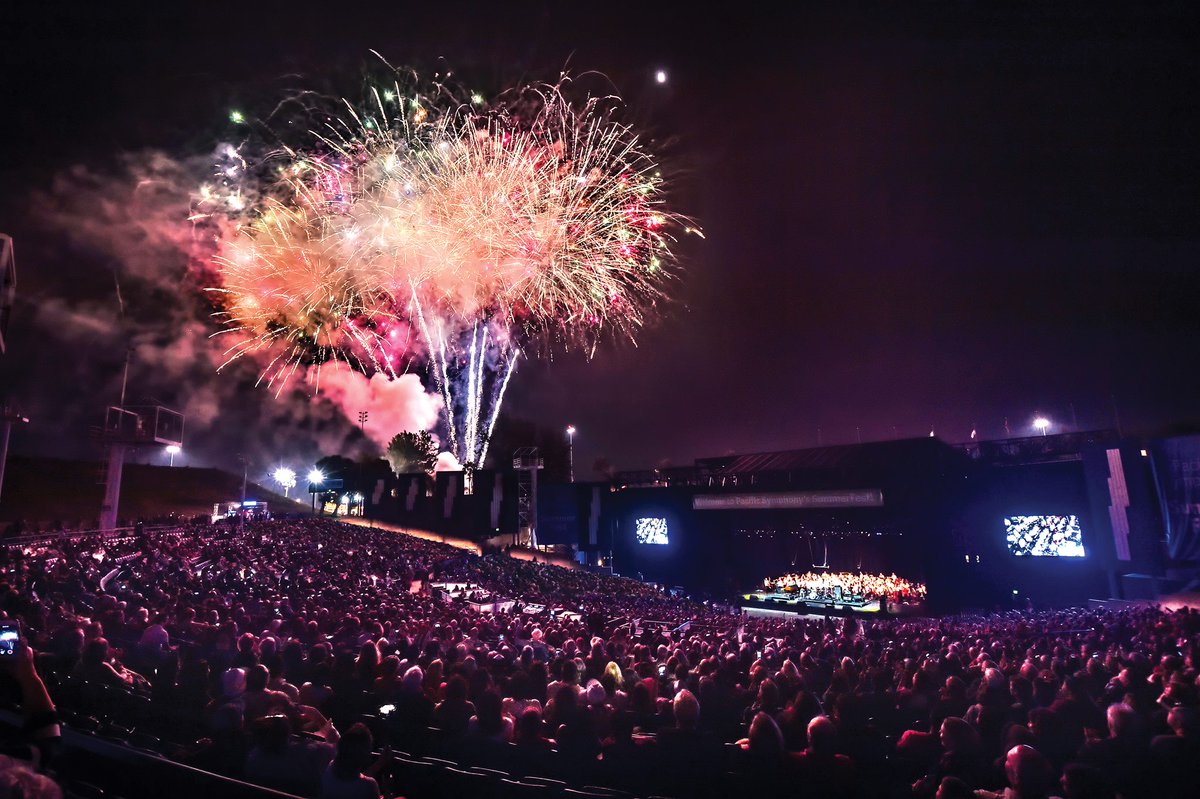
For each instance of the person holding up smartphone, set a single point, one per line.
(10, 639)
(40, 733)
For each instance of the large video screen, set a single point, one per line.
(1044, 536)
(651, 531)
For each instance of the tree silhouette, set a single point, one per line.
(412, 452)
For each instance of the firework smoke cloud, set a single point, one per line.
(130, 278)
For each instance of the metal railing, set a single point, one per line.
(57, 536)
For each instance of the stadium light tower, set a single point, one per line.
(8, 415)
(127, 428)
(315, 478)
(172, 450)
(8, 294)
(571, 453)
(8, 287)
(1041, 423)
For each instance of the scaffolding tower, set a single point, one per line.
(526, 462)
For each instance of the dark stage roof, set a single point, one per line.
(874, 456)
(847, 456)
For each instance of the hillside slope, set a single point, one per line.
(45, 490)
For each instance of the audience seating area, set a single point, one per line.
(309, 658)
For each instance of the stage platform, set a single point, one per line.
(793, 603)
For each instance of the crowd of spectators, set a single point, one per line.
(302, 655)
(826, 585)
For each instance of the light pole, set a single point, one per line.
(315, 478)
(362, 428)
(173, 450)
(242, 507)
(571, 453)
(1041, 423)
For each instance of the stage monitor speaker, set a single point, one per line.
(1139, 586)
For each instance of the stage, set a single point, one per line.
(790, 602)
(837, 593)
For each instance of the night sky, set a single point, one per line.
(917, 214)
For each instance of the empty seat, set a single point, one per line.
(146, 741)
(441, 761)
(85, 790)
(461, 782)
(523, 789)
(549, 782)
(415, 777)
(84, 723)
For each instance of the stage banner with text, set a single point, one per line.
(1176, 463)
(791, 500)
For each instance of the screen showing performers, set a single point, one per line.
(1044, 536)
(651, 531)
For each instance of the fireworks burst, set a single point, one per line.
(414, 231)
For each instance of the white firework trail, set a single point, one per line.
(487, 439)
(468, 456)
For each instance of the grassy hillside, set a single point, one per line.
(45, 490)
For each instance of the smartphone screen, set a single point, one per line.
(10, 638)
